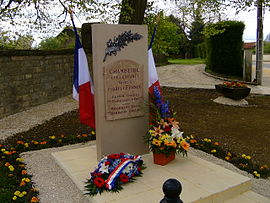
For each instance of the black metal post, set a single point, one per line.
(172, 189)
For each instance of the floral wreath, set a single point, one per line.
(112, 172)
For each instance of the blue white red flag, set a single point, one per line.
(152, 71)
(83, 89)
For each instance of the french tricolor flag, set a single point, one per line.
(152, 71)
(83, 89)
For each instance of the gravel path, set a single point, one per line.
(51, 180)
(25, 120)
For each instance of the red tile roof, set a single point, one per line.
(249, 45)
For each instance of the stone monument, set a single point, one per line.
(121, 92)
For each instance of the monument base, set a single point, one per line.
(231, 102)
(201, 180)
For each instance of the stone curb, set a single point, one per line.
(227, 79)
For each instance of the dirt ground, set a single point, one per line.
(242, 130)
(237, 129)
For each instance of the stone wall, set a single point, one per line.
(30, 78)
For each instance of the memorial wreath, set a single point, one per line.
(112, 172)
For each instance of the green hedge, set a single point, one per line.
(225, 48)
(200, 50)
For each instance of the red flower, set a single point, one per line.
(114, 156)
(167, 128)
(99, 182)
(107, 163)
(123, 178)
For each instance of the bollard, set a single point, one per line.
(171, 189)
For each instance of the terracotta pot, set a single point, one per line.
(235, 93)
(162, 159)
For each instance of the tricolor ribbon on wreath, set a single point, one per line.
(118, 170)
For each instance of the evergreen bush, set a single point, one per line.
(225, 47)
(200, 51)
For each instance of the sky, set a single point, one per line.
(250, 20)
(248, 17)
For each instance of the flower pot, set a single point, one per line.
(162, 159)
(235, 93)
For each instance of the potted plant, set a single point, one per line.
(233, 90)
(164, 137)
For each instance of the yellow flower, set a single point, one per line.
(248, 157)
(213, 151)
(229, 154)
(20, 159)
(152, 132)
(227, 158)
(21, 195)
(14, 198)
(11, 168)
(24, 192)
(257, 174)
(52, 137)
(17, 193)
(165, 136)
(156, 142)
(3, 150)
(206, 140)
(93, 132)
(26, 145)
(27, 180)
(243, 156)
(216, 143)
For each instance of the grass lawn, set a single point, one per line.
(187, 61)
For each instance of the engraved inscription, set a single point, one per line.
(123, 90)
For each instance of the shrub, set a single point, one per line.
(225, 47)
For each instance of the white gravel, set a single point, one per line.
(54, 185)
(52, 182)
(25, 120)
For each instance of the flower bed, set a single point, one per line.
(15, 182)
(243, 162)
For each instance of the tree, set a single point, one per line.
(184, 42)
(196, 32)
(168, 35)
(132, 12)
(8, 41)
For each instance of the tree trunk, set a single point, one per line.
(132, 11)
